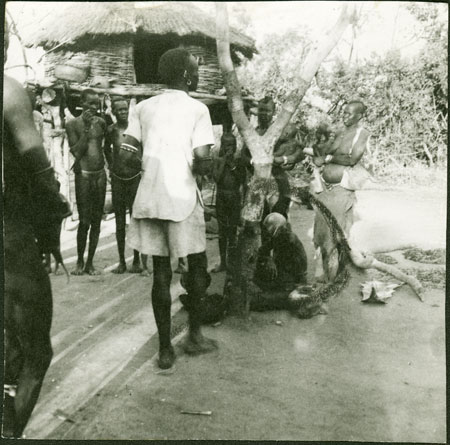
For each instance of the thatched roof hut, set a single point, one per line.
(121, 42)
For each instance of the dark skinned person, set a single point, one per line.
(123, 188)
(229, 174)
(287, 153)
(86, 134)
(175, 132)
(341, 175)
(281, 262)
(32, 214)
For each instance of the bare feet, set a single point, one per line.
(121, 268)
(219, 268)
(135, 268)
(198, 344)
(166, 358)
(91, 270)
(79, 269)
(146, 273)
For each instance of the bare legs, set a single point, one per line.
(161, 302)
(82, 234)
(197, 282)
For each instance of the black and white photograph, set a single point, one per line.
(225, 220)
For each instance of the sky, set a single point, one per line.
(385, 25)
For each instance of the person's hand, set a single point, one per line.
(271, 269)
(278, 160)
(288, 166)
(319, 161)
(87, 117)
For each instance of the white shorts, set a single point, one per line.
(169, 238)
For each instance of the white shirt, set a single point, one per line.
(169, 127)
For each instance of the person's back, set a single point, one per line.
(290, 257)
(168, 124)
(16, 204)
(176, 134)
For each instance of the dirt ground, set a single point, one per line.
(362, 372)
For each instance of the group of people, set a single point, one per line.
(155, 152)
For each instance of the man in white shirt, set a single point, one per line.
(176, 134)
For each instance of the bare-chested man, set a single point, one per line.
(32, 211)
(340, 179)
(124, 185)
(86, 134)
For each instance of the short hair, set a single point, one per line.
(362, 108)
(173, 64)
(117, 100)
(267, 101)
(87, 92)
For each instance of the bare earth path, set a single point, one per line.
(362, 372)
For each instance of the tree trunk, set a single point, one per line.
(239, 286)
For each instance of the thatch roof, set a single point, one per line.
(91, 19)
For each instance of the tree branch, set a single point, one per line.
(317, 54)
(235, 103)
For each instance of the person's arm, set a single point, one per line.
(78, 144)
(357, 151)
(218, 168)
(48, 208)
(246, 157)
(202, 141)
(290, 160)
(265, 259)
(241, 173)
(129, 157)
(202, 160)
(107, 147)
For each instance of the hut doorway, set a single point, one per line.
(147, 52)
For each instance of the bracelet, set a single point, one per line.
(128, 147)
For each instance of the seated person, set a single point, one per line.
(281, 262)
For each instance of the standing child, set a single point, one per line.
(85, 134)
(229, 175)
(124, 186)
